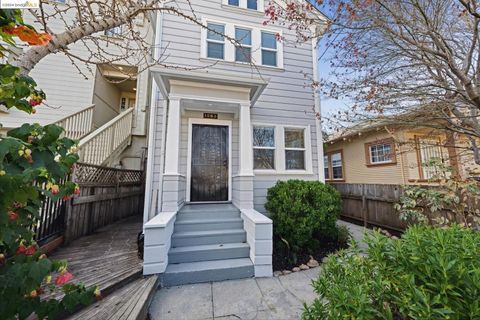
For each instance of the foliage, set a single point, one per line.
(302, 212)
(34, 164)
(343, 236)
(430, 273)
(448, 200)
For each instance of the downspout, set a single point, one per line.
(150, 209)
(317, 109)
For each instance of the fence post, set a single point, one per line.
(69, 212)
(364, 206)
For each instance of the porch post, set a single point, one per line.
(172, 145)
(246, 151)
(243, 182)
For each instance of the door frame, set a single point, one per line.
(211, 122)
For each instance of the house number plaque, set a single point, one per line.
(210, 115)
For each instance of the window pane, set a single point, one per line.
(381, 153)
(243, 54)
(218, 30)
(294, 138)
(269, 40)
(233, 2)
(295, 160)
(263, 158)
(337, 166)
(326, 167)
(244, 36)
(269, 58)
(215, 50)
(252, 4)
(337, 172)
(264, 137)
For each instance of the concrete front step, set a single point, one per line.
(208, 252)
(206, 271)
(208, 224)
(193, 238)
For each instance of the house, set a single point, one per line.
(221, 133)
(382, 152)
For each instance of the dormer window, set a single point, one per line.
(215, 41)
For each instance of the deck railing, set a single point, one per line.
(103, 143)
(78, 124)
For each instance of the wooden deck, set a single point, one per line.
(107, 258)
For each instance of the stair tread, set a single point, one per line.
(201, 221)
(208, 265)
(209, 208)
(209, 247)
(183, 234)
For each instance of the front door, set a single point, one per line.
(209, 167)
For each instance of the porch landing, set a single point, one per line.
(108, 258)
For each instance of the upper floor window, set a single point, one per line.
(215, 41)
(115, 31)
(269, 49)
(263, 147)
(243, 53)
(294, 149)
(251, 45)
(246, 4)
(333, 163)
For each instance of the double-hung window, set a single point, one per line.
(333, 166)
(380, 152)
(252, 4)
(243, 51)
(234, 2)
(294, 149)
(264, 147)
(216, 41)
(245, 4)
(269, 49)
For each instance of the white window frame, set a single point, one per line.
(295, 149)
(280, 161)
(380, 162)
(223, 42)
(274, 148)
(229, 47)
(242, 4)
(268, 49)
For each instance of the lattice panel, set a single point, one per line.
(87, 173)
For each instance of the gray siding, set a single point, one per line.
(287, 100)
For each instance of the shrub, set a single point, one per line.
(302, 212)
(430, 273)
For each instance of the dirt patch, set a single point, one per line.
(280, 255)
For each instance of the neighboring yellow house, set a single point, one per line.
(380, 154)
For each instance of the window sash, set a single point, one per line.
(331, 167)
(376, 153)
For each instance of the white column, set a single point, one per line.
(246, 151)
(172, 145)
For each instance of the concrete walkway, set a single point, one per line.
(276, 298)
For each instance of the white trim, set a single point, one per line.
(227, 123)
(150, 156)
(370, 155)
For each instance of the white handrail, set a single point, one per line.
(98, 146)
(78, 124)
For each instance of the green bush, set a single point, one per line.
(430, 273)
(303, 212)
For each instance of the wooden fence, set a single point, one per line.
(372, 204)
(106, 195)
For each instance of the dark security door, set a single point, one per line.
(209, 163)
